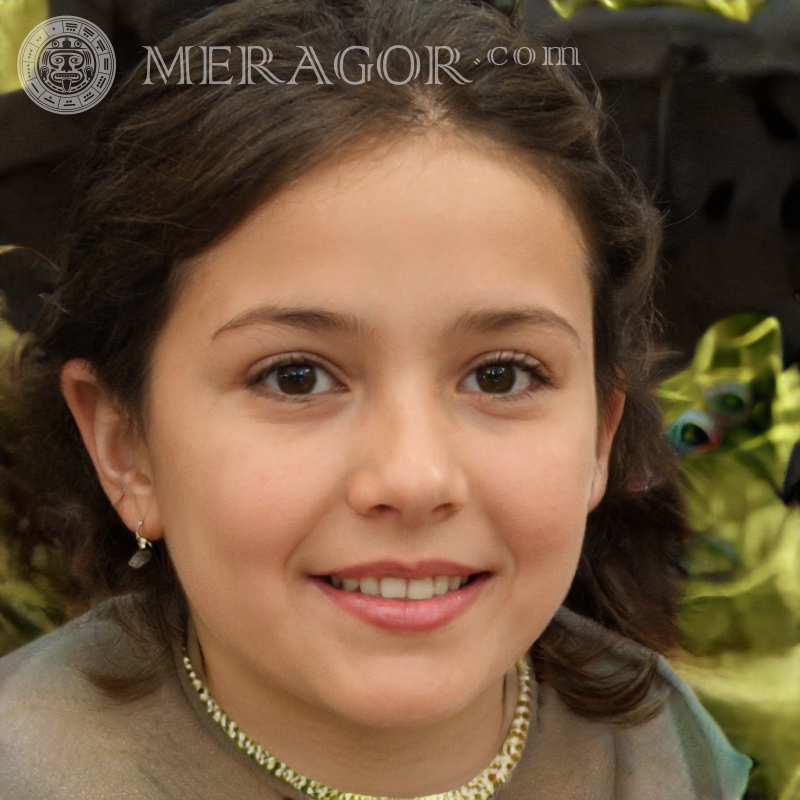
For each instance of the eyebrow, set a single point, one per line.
(492, 321)
(472, 322)
(311, 319)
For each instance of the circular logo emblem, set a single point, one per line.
(66, 65)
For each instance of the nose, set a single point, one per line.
(409, 466)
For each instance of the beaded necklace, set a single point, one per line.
(481, 787)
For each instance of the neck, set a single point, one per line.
(409, 761)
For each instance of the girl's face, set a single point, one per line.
(380, 388)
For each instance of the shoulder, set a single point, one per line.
(679, 753)
(48, 668)
(55, 726)
(687, 735)
(62, 737)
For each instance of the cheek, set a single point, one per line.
(234, 497)
(538, 489)
(538, 504)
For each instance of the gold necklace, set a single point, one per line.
(481, 787)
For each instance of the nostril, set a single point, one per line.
(444, 510)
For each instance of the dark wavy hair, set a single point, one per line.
(174, 168)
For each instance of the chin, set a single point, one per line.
(399, 714)
(398, 703)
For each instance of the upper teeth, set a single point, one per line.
(400, 588)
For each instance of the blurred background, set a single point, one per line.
(706, 94)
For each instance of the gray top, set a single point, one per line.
(61, 738)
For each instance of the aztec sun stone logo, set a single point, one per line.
(66, 65)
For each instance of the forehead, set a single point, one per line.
(431, 219)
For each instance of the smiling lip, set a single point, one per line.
(405, 615)
(394, 569)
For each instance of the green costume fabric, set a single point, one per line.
(739, 10)
(734, 415)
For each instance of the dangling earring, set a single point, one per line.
(143, 554)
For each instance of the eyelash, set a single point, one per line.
(519, 361)
(290, 359)
(525, 363)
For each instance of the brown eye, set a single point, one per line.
(296, 378)
(496, 378)
(299, 378)
(504, 377)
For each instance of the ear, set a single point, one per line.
(605, 438)
(115, 446)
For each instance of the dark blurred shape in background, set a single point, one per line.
(709, 109)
